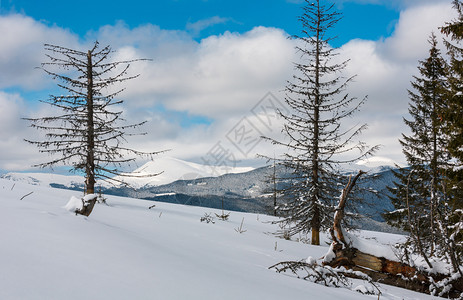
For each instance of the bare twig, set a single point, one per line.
(207, 218)
(25, 196)
(240, 229)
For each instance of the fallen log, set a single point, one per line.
(350, 257)
(380, 269)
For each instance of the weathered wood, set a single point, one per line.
(349, 256)
(379, 268)
(410, 284)
(339, 215)
(396, 268)
(87, 207)
(354, 257)
(390, 272)
(368, 261)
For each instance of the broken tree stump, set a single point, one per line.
(88, 202)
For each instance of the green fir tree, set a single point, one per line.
(418, 192)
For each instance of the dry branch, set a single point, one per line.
(26, 195)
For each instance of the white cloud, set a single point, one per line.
(385, 69)
(21, 49)
(409, 40)
(196, 27)
(16, 153)
(219, 78)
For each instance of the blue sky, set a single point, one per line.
(361, 20)
(201, 19)
(213, 63)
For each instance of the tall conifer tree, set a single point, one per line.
(318, 104)
(452, 219)
(419, 190)
(454, 113)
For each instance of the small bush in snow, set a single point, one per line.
(223, 216)
(207, 218)
(240, 229)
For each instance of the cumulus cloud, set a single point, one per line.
(385, 69)
(217, 80)
(219, 76)
(21, 49)
(16, 153)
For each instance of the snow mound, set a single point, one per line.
(371, 246)
(74, 204)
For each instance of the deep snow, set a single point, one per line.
(127, 251)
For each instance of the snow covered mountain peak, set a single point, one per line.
(377, 161)
(374, 164)
(173, 169)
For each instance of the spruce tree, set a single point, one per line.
(452, 217)
(454, 111)
(316, 140)
(418, 193)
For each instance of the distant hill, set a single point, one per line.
(245, 190)
(173, 169)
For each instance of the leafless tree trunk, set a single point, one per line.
(88, 135)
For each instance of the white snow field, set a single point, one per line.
(127, 251)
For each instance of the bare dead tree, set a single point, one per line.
(88, 134)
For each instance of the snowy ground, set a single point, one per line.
(127, 251)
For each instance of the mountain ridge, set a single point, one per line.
(246, 191)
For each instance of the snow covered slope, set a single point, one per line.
(127, 251)
(174, 169)
(374, 164)
(377, 161)
(45, 179)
